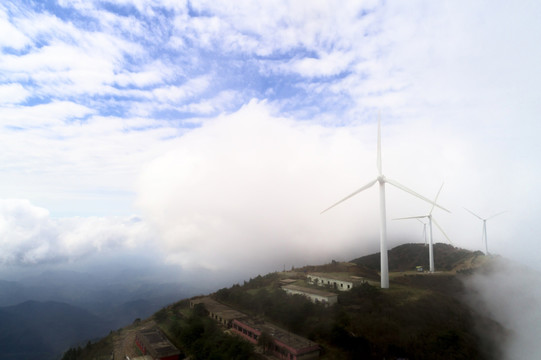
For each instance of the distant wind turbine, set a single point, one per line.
(430, 221)
(424, 230)
(484, 235)
(381, 179)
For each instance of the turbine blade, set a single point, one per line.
(402, 187)
(471, 212)
(443, 232)
(352, 194)
(379, 144)
(497, 214)
(412, 217)
(436, 198)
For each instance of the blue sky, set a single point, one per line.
(212, 133)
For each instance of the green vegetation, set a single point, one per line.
(201, 337)
(417, 318)
(291, 312)
(406, 257)
(100, 350)
(422, 316)
(265, 341)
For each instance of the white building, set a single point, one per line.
(315, 295)
(338, 281)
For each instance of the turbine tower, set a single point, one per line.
(430, 221)
(381, 179)
(484, 220)
(424, 230)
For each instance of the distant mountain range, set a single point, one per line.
(43, 315)
(43, 330)
(119, 300)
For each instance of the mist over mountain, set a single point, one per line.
(505, 309)
(458, 312)
(510, 294)
(43, 330)
(45, 312)
(119, 299)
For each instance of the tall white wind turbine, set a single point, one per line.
(424, 230)
(430, 221)
(484, 220)
(381, 179)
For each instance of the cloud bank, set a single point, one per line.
(510, 294)
(30, 236)
(245, 190)
(104, 106)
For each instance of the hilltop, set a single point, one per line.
(421, 316)
(407, 256)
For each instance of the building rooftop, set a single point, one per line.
(157, 344)
(308, 290)
(288, 281)
(285, 337)
(217, 308)
(337, 276)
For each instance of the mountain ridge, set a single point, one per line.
(35, 329)
(421, 316)
(407, 256)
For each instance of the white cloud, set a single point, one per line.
(175, 94)
(325, 65)
(73, 162)
(12, 37)
(53, 113)
(511, 295)
(456, 83)
(13, 93)
(31, 236)
(155, 73)
(246, 190)
(220, 103)
(66, 60)
(282, 26)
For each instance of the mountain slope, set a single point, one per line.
(421, 316)
(43, 330)
(119, 298)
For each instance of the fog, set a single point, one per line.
(242, 194)
(510, 294)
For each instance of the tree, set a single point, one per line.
(200, 310)
(160, 316)
(265, 341)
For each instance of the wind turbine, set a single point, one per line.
(430, 221)
(484, 235)
(381, 179)
(424, 230)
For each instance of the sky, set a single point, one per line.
(210, 135)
